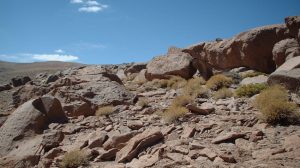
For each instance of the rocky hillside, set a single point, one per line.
(224, 103)
(9, 70)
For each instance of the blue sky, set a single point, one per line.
(117, 31)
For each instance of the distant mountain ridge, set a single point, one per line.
(9, 70)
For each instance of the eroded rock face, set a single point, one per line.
(252, 49)
(30, 119)
(175, 62)
(284, 50)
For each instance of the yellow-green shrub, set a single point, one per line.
(249, 90)
(218, 81)
(74, 159)
(275, 107)
(106, 110)
(223, 93)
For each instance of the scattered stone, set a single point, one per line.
(135, 125)
(206, 152)
(292, 143)
(118, 140)
(188, 131)
(229, 137)
(198, 110)
(137, 143)
(96, 139)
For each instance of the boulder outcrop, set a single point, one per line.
(175, 62)
(252, 49)
(284, 50)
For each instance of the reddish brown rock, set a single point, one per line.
(175, 62)
(252, 49)
(229, 137)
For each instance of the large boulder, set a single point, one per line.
(254, 80)
(293, 24)
(289, 79)
(252, 49)
(28, 120)
(285, 49)
(175, 62)
(288, 74)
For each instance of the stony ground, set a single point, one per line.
(230, 135)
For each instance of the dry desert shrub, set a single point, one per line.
(104, 111)
(177, 108)
(173, 113)
(222, 93)
(194, 89)
(219, 81)
(275, 106)
(74, 159)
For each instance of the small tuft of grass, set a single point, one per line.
(143, 102)
(182, 101)
(219, 81)
(275, 106)
(173, 113)
(250, 89)
(74, 159)
(222, 93)
(176, 82)
(194, 89)
(177, 108)
(104, 111)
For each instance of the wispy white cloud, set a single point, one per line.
(54, 57)
(29, 57)
(92, 3)
(90, 9)
(76, 1)
(89, 6)
(59, 51)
